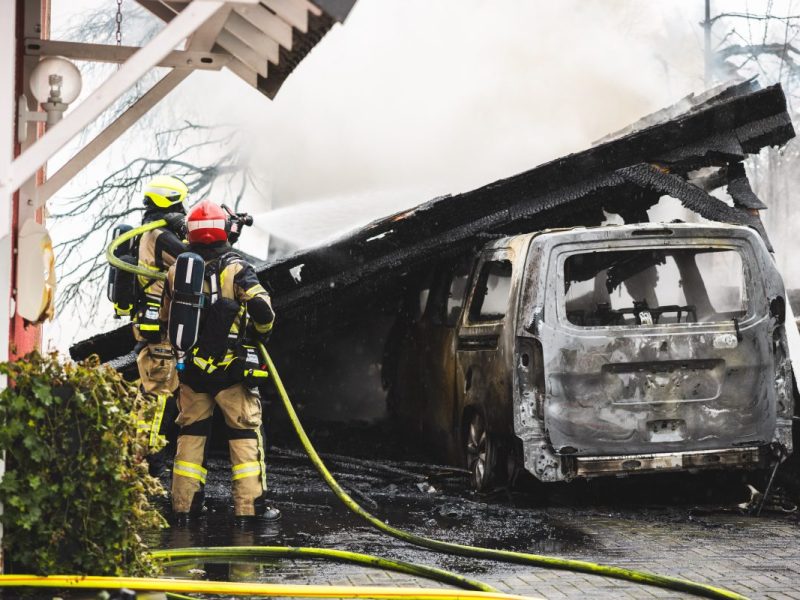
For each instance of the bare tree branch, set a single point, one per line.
(781, 50)
(773, 54)
(177, 151)
(752, 17)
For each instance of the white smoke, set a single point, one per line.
(441, 97)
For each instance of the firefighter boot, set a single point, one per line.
(271, 514)
(263, 513)
(189, 470)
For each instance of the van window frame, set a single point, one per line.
(743, 248)
(505, 255)
(436, 309)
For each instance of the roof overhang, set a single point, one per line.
(264, 42)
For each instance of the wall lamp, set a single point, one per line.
(55, 83)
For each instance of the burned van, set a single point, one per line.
(599, 351)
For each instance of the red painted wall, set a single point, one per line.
(24, 337)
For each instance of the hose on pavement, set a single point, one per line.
(538, 560)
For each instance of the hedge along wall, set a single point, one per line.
(75, 489)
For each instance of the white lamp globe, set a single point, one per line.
(54, 77)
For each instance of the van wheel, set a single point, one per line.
(481, 452)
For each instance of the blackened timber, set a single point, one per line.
(757, 116)
(740, 190)
(107, 346)
(692, 197)
(361, 275)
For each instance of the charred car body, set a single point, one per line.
(600, 351)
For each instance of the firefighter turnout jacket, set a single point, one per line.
(214, 375)
(158, 249)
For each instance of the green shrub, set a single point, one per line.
(75, 491)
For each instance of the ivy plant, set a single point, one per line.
(75, 492)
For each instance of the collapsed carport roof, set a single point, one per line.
(343, 284)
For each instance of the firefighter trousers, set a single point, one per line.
(241, 408)
(159, 383)
(159, 428)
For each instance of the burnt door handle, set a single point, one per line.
(478, 342)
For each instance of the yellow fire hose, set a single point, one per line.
(156, 584)
(551, 562)
(368, 560)
(128, 235)
(538, 560)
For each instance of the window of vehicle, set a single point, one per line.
(490, 299)
(654, 287)
(455, 297)
(423, 300)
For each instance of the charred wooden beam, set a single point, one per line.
(740, 190)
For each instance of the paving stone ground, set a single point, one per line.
(711, 543)
(758, 558)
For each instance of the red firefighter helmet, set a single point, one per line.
(206, 223)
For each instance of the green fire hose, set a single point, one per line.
(366, 560)
(552, 562)
(128, 235)
(423, 571)
(538, 560)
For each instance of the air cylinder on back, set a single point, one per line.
(121, 289)
(187, 301)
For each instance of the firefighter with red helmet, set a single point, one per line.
(237, 309)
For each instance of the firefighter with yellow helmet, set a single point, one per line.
(164, 199)
(228, 311)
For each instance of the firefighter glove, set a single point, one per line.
(176, 222)
(254, 336)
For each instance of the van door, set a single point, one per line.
(483, 373)
(658, 348)
(437, 366)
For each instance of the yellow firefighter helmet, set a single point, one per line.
(165, 191)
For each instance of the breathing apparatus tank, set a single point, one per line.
(187, 303)
(121, 289)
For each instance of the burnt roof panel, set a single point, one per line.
(363, 273)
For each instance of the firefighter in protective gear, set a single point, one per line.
(164, 198)
(237, 307)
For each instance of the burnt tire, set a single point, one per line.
(481, 451)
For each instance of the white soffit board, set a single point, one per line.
(269, 38)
